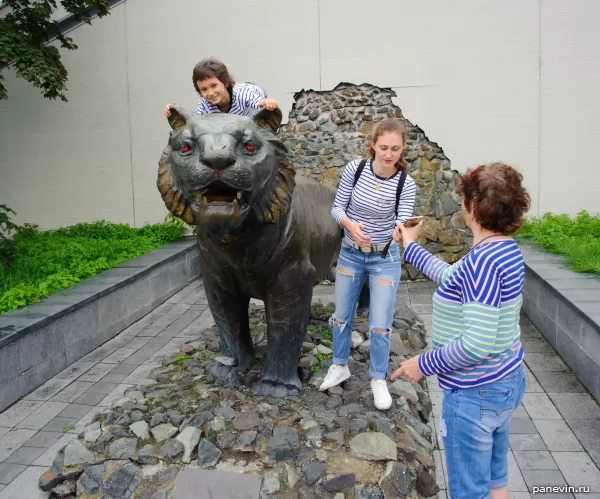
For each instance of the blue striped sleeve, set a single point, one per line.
(437, 270)
(344, 192)
(251, 96)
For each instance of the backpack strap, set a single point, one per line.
(359, 170)
(401, 181)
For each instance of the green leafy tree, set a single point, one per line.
(24, 35)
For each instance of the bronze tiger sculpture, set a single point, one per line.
(262, 231)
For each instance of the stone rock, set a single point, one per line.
(404, 389)
(122, 483)
(226, 361)
(147, 455)
(137, 415)
(66, 489)
(425, 484)
(140, 430)
(373, 447)
(208, 454)
(356, 340)
(91, 479)
(419, 439)
(312, 471)
(333, 402)
(395, 481)
(189, 437)
(187, 349)
(123, 448)
(92, 432)
(100, 445)
(270, 483)
(171, 450)
(163, 431)
(76, 453)
(245, 441)
(157, 419)
(339, 483)
(225, 439)
(292, 475)
(290, 435)
(336, 437)
(280, 450)
(314, 437)
(246, 420)
(175, 417)
(218, 424)
(324, 350)
(49, 479)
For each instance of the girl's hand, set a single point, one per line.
(167, 110)
(270, 104)
(356, 230)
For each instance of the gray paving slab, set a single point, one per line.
(10, 471)
(43, 439)
(559, 382)
(526, 442)
(576, 405)
(25, 485)
(578, 469)
(25, 455)
(557, 435)
(539, 406)
(10, 442)
(534, 460)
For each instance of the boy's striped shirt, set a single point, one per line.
(245, 98)
(374, 208)
(476, 310)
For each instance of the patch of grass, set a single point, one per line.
(181, 358)
(326, 333)
(576, 238)
(69, 427)
(48, 261)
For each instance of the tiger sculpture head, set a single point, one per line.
(218, 169)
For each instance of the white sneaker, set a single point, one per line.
(335, 375)
(383, 399)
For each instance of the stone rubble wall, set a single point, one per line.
(328, 129)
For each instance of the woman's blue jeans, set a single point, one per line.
(353, 268)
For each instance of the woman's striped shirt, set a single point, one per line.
(374, 208)
(245, 98)
(476, 310)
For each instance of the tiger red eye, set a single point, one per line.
(184, 148)
(249, 147)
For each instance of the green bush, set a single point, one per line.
(48, 261)
(577, 238)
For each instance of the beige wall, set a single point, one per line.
(467, 72)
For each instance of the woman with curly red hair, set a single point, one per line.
(477, 353)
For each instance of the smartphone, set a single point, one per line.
(412, 221)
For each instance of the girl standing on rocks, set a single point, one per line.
(373, 194)
(477, 353)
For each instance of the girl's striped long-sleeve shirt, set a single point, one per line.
(476, 310)
(371, 206)
(245, 98)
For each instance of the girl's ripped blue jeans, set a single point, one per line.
(474, 427)
(353, 268)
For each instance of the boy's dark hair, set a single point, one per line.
(208, 68)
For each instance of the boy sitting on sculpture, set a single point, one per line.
(220, 94)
